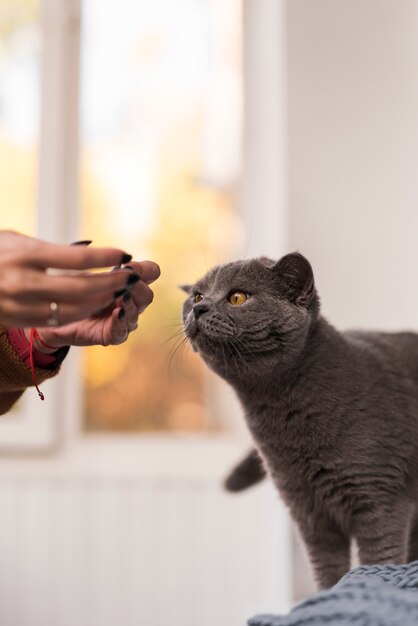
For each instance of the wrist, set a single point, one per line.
(44, 345)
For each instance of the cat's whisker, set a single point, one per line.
(178, 333)
(244, 352)
(174, 325)
(236, 355)
(177, 351)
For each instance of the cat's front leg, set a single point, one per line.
(382, 532)
(328, 548)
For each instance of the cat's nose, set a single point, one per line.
(199, 309)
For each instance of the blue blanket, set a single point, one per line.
(378, 595)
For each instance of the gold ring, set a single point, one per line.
(53, 318)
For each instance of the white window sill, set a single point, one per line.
(194, 457)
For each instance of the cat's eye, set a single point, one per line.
(197, 297)
(237, 297)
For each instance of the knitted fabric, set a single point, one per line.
(15, 375)
(377, 595)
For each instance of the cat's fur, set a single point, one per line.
(334, 415)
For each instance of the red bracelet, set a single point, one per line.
(42, 342)
(35, 335)
(31, 356)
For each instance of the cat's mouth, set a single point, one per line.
(193, 332)
(205, 338)
(199, 339)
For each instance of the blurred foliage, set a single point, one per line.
(154, 381)
(16, 14)
(18, 169)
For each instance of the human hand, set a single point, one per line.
(111, 326)
(27, 291)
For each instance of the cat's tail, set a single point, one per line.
(247, 473)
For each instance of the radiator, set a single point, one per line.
(127, 551)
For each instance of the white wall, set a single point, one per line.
(352, 113)
(264, 175)
(353, 155)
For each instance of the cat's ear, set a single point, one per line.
(186, 288)
(297, 276)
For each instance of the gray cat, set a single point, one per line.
(334, 415)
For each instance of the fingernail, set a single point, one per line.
(132, 269)
(117, 267)
(125, 258)
(119, 293)
(121, 314)
(127, 296)
(85, 242)
(132, 279)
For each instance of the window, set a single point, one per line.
(160, 124)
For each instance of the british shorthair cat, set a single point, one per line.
(334, 415)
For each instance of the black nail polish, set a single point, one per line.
(119, 293)
(131, 269)
(132, 279)
(121, 314)
(85, 242)
(127, 296)
(125, 259)
(117, 267)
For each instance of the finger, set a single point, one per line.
(38, 285)
(117, 331)
(74, 257)
(148, 270)
(142, 295)
(128, 304)
(38, 312)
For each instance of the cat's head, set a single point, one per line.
(251, 314)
